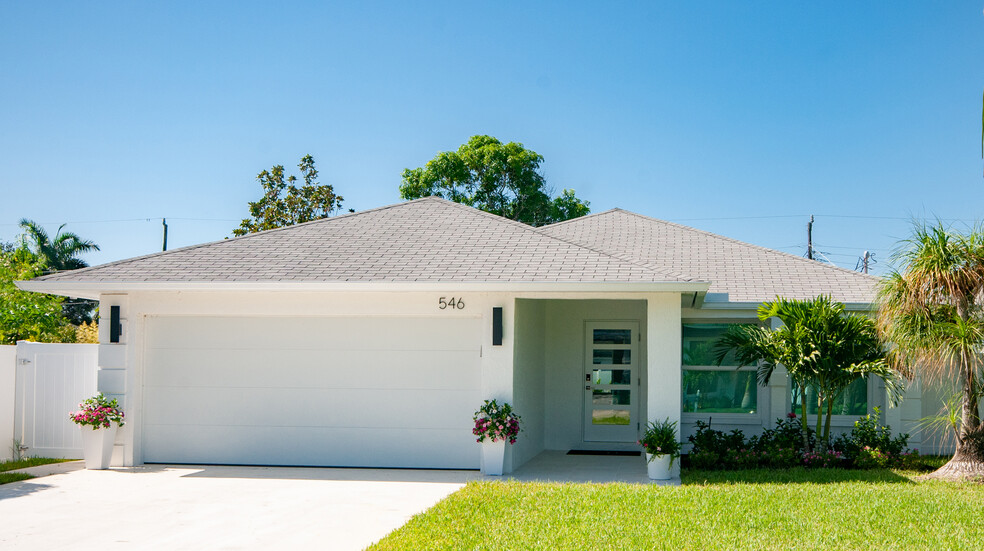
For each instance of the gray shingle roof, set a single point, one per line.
(747, 273)
(434, 240)
(428, 239)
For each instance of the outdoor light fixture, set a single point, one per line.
(115, 327)
(497, 326)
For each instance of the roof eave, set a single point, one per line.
(717, 305)
(92, 290)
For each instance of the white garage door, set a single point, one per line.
(361, 392)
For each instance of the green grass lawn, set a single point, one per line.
(755, 509)
(7, 477)
(28, 462)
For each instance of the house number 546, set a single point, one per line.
(455, 304)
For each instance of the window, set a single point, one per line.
(853, 401)
(707, 387)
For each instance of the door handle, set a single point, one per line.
(587, 387)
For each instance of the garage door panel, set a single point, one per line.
(314, 446)
(335, 369)
(279, 407)
(319, 333)
(394, 392)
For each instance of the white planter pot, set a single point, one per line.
(493, 455)
(658, 466)
(97, 446)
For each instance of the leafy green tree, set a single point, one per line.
(284, 203)
(54, 255)
(931, 312)
(25, 315)
(503, 179)
(821, 347)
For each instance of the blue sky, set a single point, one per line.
(741, 118)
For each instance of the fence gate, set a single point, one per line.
(51, 380)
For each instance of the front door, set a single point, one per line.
(611, 381)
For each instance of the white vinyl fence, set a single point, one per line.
(47, 382)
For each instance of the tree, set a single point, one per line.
(285, 204)
(55, 255)
(931, 313)
(503, 179)
(25, 315)
(821, 347)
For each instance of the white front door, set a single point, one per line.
(611, 381)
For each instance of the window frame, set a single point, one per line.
(755, 418)
(875, 388)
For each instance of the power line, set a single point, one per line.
(151, 219)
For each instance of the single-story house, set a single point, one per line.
(370, 339)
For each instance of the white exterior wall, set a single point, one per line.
(8, 372)
(564, 359)
(529, 379)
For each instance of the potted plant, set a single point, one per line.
(98, 417)
(495, 425)
(662, 447)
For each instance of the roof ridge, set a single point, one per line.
(580, 218)
(226, 240)
(747, 244)
(539, 231)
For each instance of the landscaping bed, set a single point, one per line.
(6, 466)
(747, 509)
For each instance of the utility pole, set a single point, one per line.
(809, 238)
(164, 222)
(864, 262)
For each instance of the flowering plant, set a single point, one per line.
(661, 439)
(98, 411)
(496, 422)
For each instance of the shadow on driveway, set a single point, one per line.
(21, 489)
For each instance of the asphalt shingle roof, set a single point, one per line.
(434, 240)
(428, 239)
(747, 273)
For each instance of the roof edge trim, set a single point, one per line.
(94, 289)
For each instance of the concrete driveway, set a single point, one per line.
(185, 507)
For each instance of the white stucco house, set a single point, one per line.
(369, 339)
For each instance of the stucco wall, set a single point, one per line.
(564, 399)
(529, 378)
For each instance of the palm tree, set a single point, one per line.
(59, 254)
(822, 348)
(930, 310)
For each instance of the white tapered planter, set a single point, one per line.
(97, 445)
(658, 466)
(493, 456)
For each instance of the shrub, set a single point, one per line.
(708, 439)
(827, 459)
(870, 445)
(705, 460)
(788, 433)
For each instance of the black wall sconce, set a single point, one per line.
(115, 327)
(497, 326)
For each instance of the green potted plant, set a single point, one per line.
(662, 447)
(494, 426)
(98, 417)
